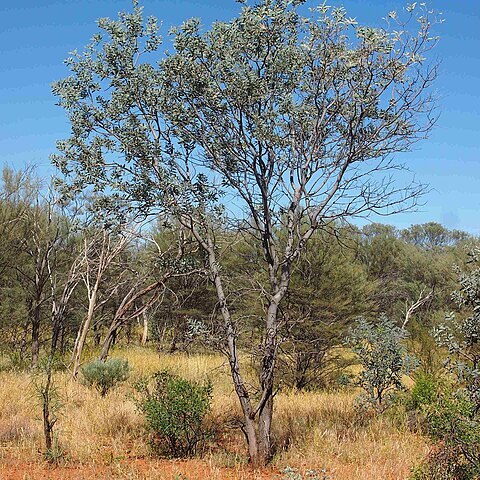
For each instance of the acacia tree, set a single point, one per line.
(275, 120)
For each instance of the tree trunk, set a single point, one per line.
(252, 441)
(266, 381)
(264, 429)
(47, 422)
(77, 353)
(36, 334)
(145, 330)
(108, 341)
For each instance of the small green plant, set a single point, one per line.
(175, 411)
(380, 350)
(289, 473)
(105, 375)
(50, 401)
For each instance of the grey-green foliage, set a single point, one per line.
(105, 375)
(247, 96)
(289, 473)
(175, 411)
(460, 333)
(380, 350)
(454, 420)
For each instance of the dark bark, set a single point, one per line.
(36, 319)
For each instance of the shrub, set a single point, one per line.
(290, 473)
(380, 350)
(424, 393)
(443, 463)
(105, 375)
(453, 421)
(175, 411)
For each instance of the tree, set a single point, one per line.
(329, 289)
(270, 122)
(33, 229)
(148, 286)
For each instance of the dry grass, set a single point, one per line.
(311, 430)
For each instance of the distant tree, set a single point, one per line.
(433, 236)
(328, 291)
(272, 121)
(149, 284)
(100, 248)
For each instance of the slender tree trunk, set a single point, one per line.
(266, 383)
(264, 431)
(256, 458)
(36, 318)
(77, 354)
(62, 339)
(108, 341)
(145, 330)
(47, 421)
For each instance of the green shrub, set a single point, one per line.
(444, 463)
(380, 350)
(453, 421)
(105, 375)
(175, 411)
(424, 392)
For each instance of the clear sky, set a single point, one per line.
(36, 36)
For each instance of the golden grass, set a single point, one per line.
(311, 429)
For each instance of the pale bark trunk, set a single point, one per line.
(77, 354)
(145, 330)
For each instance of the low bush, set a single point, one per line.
(105, 375)
(175, 410)
(444, 463)
(290, 473)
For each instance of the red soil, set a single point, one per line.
(134, 469)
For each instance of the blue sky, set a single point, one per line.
(36, 36)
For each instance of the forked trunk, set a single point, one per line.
(83, 332)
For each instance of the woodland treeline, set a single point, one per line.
(70, 283)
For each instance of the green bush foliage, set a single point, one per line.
(380, 350)
(453, 421)
(175, 411)
(105, 375)
(424, 392)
